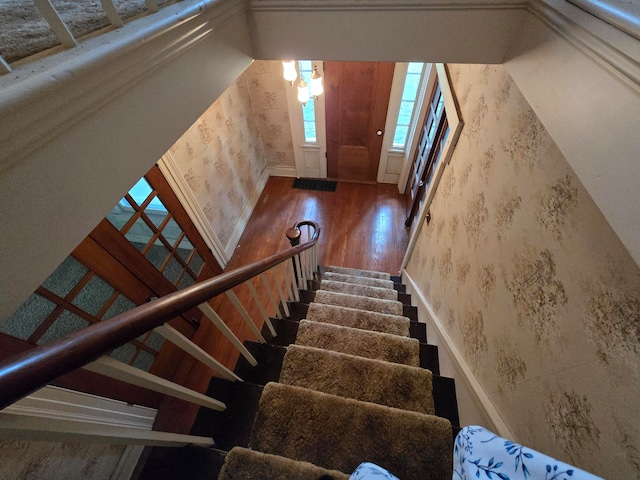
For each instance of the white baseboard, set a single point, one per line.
(282, 171)
(246, 213)
(466, 382)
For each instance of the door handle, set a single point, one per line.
(379, 133)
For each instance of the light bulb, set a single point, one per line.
(290, 74)
(316, 83)
(303, 91)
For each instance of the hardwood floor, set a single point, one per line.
(362, 226)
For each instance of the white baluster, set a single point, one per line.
(272, 299)
(263, 311)
(65, 37)
(195, 351)
(283, 300)
(111, 12)
(245, 315)
(121, 371)
(294, 282)
(213, 316)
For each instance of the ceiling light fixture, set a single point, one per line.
(316, 83)
(303, 91)
(290, 74)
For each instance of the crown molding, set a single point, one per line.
(39, 100)
(607, 45)
(381, 5)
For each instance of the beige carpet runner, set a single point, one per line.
(362, 319)
(379, 346)
(350, 390)
(340, 433)
(363, 303)
(371, 282)
(349, 376)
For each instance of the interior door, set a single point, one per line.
(147, 247)
(424, 160)
(356, 103)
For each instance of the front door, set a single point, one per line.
(356, 103)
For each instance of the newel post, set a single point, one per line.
(293, 235)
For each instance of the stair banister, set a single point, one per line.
(24, 373)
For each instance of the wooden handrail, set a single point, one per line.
(24, 373)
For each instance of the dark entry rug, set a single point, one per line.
(311, 184)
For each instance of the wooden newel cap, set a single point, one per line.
(293, 234)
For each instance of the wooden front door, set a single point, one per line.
(426, 154)
(356, 103)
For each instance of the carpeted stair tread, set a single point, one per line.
(372, 282)
(365, 379)
(362, 343)
(362, 303)
(354, 318)
(359, 273)
(360, 290)
(340, 433)
(244, 464)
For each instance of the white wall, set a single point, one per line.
(77, 135)
(585, 88)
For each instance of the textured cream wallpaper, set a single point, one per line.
(269, 101)
(532, 284)
(222, 156)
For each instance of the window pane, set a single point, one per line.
(93, 295)
(407, 105)
(156, 213)
(186, 281)
(143, 361)
(400, 137)
(121, 214)
(155, 341)
(415, 67)
(65, 324)
(139, 234)
(121, 305)
(411, 87)
(406, 109)
(28, 317)
(123, 353)
(172, 232)
(172, 270)
(157, 255)
(65, 277)
(140, 191)
(196, 263)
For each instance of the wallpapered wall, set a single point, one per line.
(532, 285)
(225, 152)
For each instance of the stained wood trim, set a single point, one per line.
(28, 371)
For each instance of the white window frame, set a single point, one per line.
(310, 158)
(393, 161)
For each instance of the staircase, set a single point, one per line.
(349, 378)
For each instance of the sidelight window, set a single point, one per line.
(407, 104)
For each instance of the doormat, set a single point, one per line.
(311, 184)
